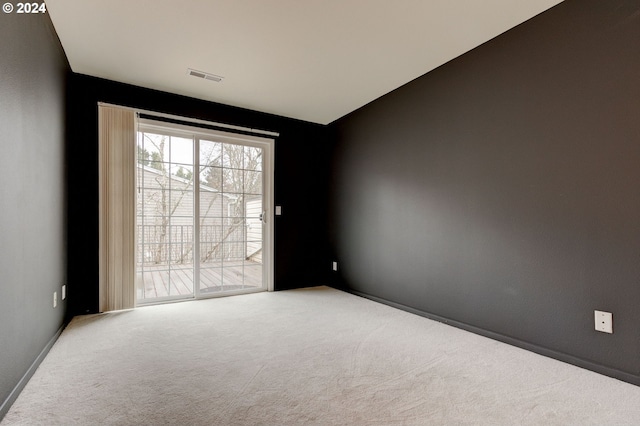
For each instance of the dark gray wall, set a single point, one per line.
(33, 71)
(302, 153)
(500, 191)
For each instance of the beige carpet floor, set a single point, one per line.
(304, 357)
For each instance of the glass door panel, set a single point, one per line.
(165, 217)
(230, 217)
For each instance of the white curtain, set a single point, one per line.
(117, 142)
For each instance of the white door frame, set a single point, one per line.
(267, 144)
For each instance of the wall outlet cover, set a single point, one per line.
(604, 321)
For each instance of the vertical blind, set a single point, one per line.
(117, 141)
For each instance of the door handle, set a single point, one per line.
(263, 217)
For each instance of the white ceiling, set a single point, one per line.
(314, 60)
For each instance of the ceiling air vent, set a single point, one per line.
(205, 75)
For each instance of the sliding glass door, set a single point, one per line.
(202, 224)
(231, 227)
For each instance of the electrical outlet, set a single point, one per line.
(335, 266)
(55, 299)
(604, 321)
(64, 291)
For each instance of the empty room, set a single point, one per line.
(223, 212)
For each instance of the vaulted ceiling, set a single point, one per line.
(314, 60)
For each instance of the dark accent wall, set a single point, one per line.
(301, 175)
(500, 192)
(33, 73)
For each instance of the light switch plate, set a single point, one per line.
(278, 210)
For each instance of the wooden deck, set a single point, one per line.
(162, 281)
